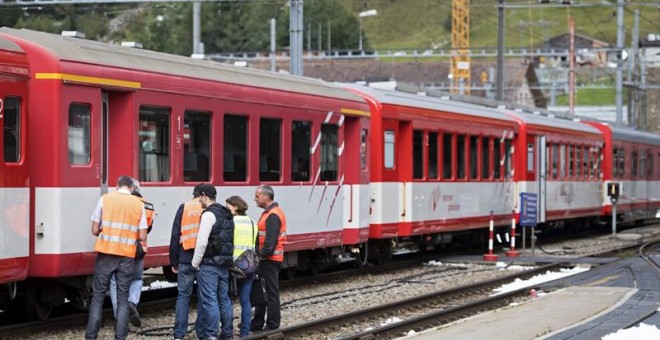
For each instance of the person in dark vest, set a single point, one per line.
(118, 221)
(212, 258)
(182, 249)
(272, 236)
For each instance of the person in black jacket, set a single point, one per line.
(212, 258)
(182, 248)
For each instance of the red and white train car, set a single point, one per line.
(559, 160)
(14, 183)
(436, 166)
(631, 158)
(97, 111)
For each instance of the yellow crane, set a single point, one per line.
(460, 42)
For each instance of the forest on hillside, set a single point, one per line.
(243, 25)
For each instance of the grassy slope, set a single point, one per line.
(420, 24)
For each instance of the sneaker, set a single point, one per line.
(133, 315)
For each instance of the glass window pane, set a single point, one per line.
(12, 129)
(634, 161)
(571, 162)
(474, 156)
(447, 146)
(329, 158)
(418, 152)
(389, 149)
(270, 154)
(364, 156)
(485, 157)
(555, 161)
(433, 155)
(79, 134)
(530, 157)
(460, 157)
(197, 146)
(235, 148)
(300, 144)
(154, 144)
(562, 161)
(497, 158)
(508, 157)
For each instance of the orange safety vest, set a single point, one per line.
(150, 212)
(278, 255)
(192, 214)
(120, 219)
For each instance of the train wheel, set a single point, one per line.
(170, 275)
(36, 309)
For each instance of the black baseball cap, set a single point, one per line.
(208, 190)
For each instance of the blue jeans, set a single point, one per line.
(185, 281)
(134, 290)
(106, 266)
(244, 289)
(213, 295)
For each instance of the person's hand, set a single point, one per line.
(175, 270)
(196, 268)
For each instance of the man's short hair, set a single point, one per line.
(125, 181)
(196, 192)
(268, 191)
(208, 190)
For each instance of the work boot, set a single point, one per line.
(133, 315)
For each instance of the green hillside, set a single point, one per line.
(423, 24)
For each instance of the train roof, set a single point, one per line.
(534, 119)
(635, 136)
(390, 97)
(99, 53)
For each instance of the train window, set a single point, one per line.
(460, 157)
(235, 148)
(571, 162)
(634, 167)
(301, 136)
(329, 159)
(555, 161)
(497, 158)
(650, 164)
(585, 162)
(418, 154)
(154, 139)
(530, 157)
(642, 163)
(447, 147)
(364, 157)
(389, 149)
(578, 161)
(79, 134)
(433, 155)
(508, 156)
(474, 157)
(599, 163)
(562, 161)
(270, 151)
(197, 146)
(485, 158)
(12, 129)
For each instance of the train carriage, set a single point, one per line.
(561, 164)
(98, 111)
(631, 158)
(14, 183)
(436, 166)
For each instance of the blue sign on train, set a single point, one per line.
(528, 209)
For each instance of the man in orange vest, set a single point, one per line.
(119, 221)
(272, 236)
(182, 248)
(135, 288)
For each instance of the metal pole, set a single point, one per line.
(272, 45)
(329, 36)
(296, 36)
(613, 219)
(571, 67)
(500, 51)
(197, 13)
(619, 61)
(490, 256)
(360, 42)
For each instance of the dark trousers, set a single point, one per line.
(107, 265)
(270, 271)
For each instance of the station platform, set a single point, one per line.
(539, 318)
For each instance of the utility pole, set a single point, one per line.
(272, 45)
(571, 67)
(500, 51)
(619, 61)
(197, 10)
(296, 36)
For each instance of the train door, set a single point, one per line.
(541, 168)
(391, 207)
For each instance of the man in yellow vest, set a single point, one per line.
(182, 248)
(119, 221)
(272, 236)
